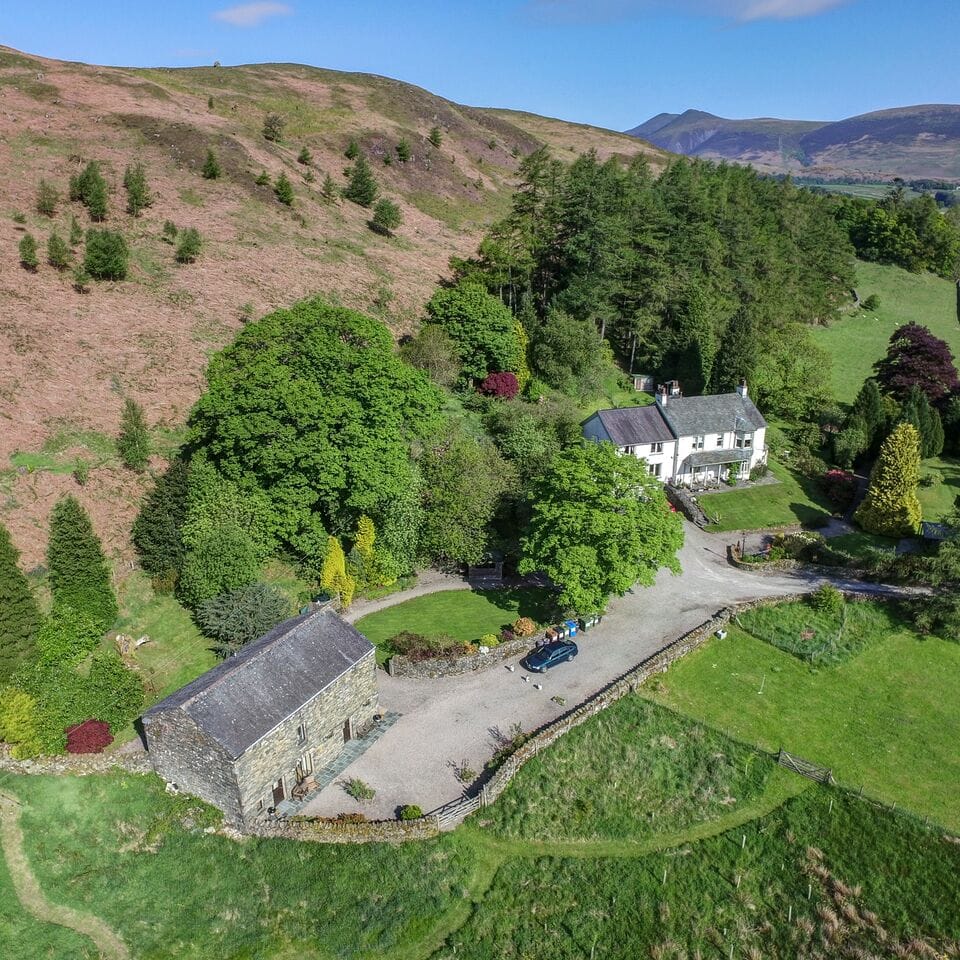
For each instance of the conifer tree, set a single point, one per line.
(189, 245)
(333, 576)
(263, 179)
(138, 193)
(891, 506)
(284, 189)
(76, 231)
(97, 201)
(28, 252)
(435, 136)
(273, 125)
(403, 151)
(20, 617)
(78, 572)
(386, 217)
(329, 188)
(47, 199)
(869, 408)
(362, 188)
(58, 253)
(304, 156)
(211, 167)
(352, 151)
(133, 444)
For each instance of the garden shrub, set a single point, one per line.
(410, 811)
(840, 486)
(360, 790)
(827, 599)
(418, 647)
(489, 640)
(91, 736)
(501, 385)
(18, 722)
(524, 627)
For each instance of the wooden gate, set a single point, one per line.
(805, 768)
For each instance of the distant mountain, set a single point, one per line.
(915, 142)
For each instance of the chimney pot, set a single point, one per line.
(742, 388)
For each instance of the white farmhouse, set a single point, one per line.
(687, 440)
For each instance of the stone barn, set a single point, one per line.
(250, 731)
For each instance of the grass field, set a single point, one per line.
(739, 842)
(886, 719)
(461, 614)
(855, 343)
(861, 545)
(941, 499)
(796, 499)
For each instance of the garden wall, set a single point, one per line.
(788, 563)
(76, 764)
(399, 666)
(344, 831)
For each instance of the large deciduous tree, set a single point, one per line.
(891, 506)
(78, 571)
(599, 524)
(20, 617)
(916, 358)
(312, 409)
(480, 326)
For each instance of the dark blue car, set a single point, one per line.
(549, 655)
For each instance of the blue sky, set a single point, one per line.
(609, 62)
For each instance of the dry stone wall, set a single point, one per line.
(75, 764)
(400, 666)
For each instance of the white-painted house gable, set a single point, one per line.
(687, 440)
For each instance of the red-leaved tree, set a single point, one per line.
(840, 487)
(503, 385)
(91, 736)
(916, 358)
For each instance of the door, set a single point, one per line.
(347, 730)
(278, 793)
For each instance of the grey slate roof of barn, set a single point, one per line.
(691, 416)
(246, 696)
(631, 425)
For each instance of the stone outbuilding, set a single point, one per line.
(247, 733)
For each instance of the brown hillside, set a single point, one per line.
(67, 359)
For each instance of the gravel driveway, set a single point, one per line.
(448, 721)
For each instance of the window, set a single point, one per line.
(698, 442)
(719, 439)
(302, 732)
(744, 441)
(656, 447)
(654, 469)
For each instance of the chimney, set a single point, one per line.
(662, 395)
(674, 388)
(742, 388)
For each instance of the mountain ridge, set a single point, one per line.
(918, 141)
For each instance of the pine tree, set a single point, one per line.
(263, 179)
(58, 253)
(386, 217)
(97, 200)
(138, 193)
(28, 252)
(273, 125)
(304, 156)
(211, 167)
(47, 199)
(869, 408)
(284, 189)
(352, 151)
(329, 188)
(435, 136)
(76, 231)
(362, 188)
(188, 249)
(891, 506)
(78, 573)
(403, 151)
(20, 617)
(133, 444)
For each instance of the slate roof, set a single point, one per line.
(691, 416)
(631, 425)
(246, 696)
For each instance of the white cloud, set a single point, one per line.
(740, 10)
(252, 14)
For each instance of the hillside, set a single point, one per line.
(918, 142)
(68, 359)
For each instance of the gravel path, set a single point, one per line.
(452, 721)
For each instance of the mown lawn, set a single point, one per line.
(939, 500)
(855, 343)
(861, 545)
(461, 614)
(887, 718)
(796, 499)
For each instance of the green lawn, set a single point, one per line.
(796, 499)
(461, 614)
(939, 500)
(887, 719)
(856, 342)
(861, 545)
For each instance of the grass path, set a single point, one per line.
(31, 896)
(493, 853)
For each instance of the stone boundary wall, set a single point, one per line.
(400, 666)
(788, 563)
(75, 764)
(320, 830)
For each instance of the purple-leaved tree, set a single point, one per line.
(916, 358)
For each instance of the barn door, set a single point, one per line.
(278, 794)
